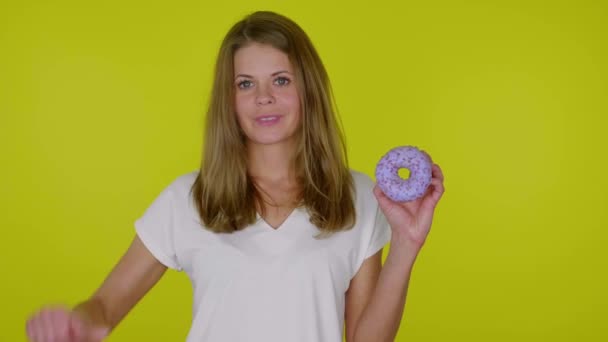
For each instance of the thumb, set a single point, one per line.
(384, 202)
(97, 334)
(77, 328)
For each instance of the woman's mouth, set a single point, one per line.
(267, 120)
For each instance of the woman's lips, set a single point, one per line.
(268, 120)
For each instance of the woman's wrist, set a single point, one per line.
(92, 312)
(404, 250)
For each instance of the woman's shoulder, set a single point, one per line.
(364, 188)
(361, 179)
(182, 183)
(185, 179)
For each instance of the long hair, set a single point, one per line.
(224, 193)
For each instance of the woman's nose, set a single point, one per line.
(264, 96)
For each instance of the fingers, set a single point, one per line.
(436, 170)
(77, 328)
(61, 324)
(438, 189)
(378, 193)
(438, 184)
(59, 320)
(98, 334)
(377, 190)
(49, 324)
(383, 201)
(33, 329)
(437, 173)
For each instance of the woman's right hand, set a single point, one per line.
(60, 324)
(93, 319)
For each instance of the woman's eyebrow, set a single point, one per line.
(274, 74)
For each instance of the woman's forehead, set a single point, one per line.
(261, 59)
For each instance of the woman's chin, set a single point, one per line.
(269, 141)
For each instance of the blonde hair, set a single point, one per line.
(224, 193)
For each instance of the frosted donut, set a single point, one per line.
(397, 188)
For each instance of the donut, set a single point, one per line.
(397, 188)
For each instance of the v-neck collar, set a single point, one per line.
(282, 226)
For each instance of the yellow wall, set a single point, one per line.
(101, 104)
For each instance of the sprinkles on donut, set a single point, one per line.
(397, 188)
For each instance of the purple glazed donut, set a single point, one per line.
(397, 188)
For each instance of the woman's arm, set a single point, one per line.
(360, 292)
(132, 277)
(92, 320)
(380, 320)
(410, 224)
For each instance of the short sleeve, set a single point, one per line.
(156, 229)
(381, 234)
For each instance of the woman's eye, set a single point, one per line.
(244, 84)
(282, 81)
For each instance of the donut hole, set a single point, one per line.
(404, 173)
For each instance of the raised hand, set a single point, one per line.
(60, 324)
(411, 221)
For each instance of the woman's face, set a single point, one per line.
(267, 101)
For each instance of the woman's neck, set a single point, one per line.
(272, 169)
(272, 163)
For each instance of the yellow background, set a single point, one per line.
(101, 106)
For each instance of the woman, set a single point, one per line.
(281, 240)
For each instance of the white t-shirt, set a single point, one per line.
(263, 284)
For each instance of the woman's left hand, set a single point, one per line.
(411, 221)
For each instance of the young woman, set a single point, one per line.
(281, 240)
